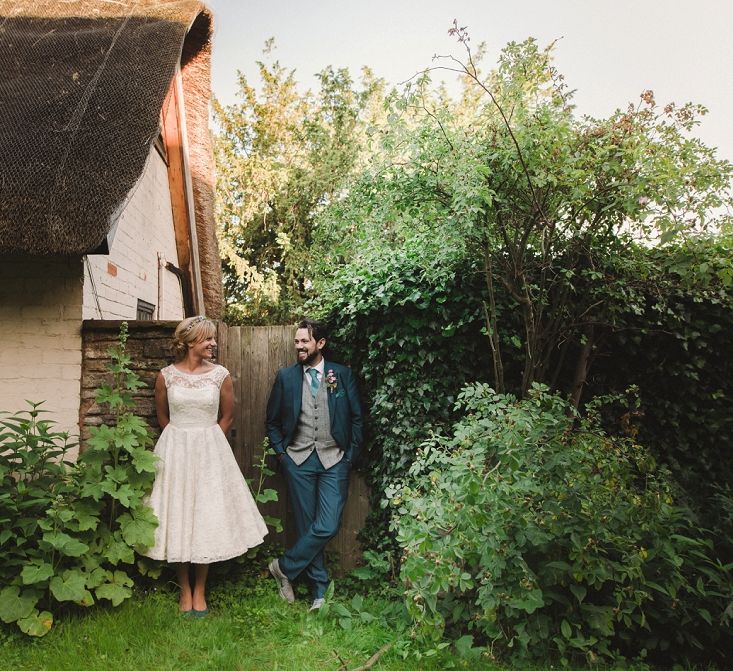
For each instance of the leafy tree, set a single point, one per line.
(512, 179)
(282, 155)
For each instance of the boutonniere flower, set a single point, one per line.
(331, 381)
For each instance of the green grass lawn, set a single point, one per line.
(250, 628)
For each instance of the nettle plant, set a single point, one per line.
(70, 530)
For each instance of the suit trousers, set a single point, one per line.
(318, 498)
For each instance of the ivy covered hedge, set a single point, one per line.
(673, 341)
(416, 334)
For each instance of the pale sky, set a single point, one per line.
(609, 51)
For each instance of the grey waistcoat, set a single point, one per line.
(314, 429)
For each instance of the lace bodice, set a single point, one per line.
(193, 400)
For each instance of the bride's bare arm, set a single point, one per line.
(161, 402)
(226, 404)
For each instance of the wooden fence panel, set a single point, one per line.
(234, 364)
(253, 355)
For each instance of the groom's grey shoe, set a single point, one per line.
(283, 584)
(317, 604)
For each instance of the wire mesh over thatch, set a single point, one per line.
(81, 88)
(82, 83)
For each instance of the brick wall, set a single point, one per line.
(40, 332)
(147, 345)
(114, 282)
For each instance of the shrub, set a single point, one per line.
(544, 537)
(69, 529)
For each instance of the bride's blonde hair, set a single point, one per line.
(191, 330)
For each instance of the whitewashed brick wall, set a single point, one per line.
(40, 332)
(130, 271)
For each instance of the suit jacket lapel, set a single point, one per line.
(297, 389)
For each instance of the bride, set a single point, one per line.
(205, 510)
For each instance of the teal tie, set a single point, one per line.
(314, 380)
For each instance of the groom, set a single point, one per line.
(314, 426)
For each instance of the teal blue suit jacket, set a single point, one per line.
(344, 408)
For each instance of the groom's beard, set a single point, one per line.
(308, 361)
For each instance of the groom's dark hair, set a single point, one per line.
(316, 329)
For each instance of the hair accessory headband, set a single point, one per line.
(193, 323)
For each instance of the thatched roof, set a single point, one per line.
(81, 90)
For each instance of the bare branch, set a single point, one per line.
(373, 659)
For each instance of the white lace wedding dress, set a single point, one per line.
(205, 510)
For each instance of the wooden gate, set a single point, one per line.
(253, 354)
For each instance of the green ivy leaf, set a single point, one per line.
(113, 592)
(149, 567)
(86, 517)
(109, 487)
(118, 551)
(274, 522)
(117, 474)
(97, 577)
(133, 424)
(87, 600)
(71, 547)
(101, 438)
(125, 495)
(75, 548)
(127, 441)
(104, 394)
(93, 490)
